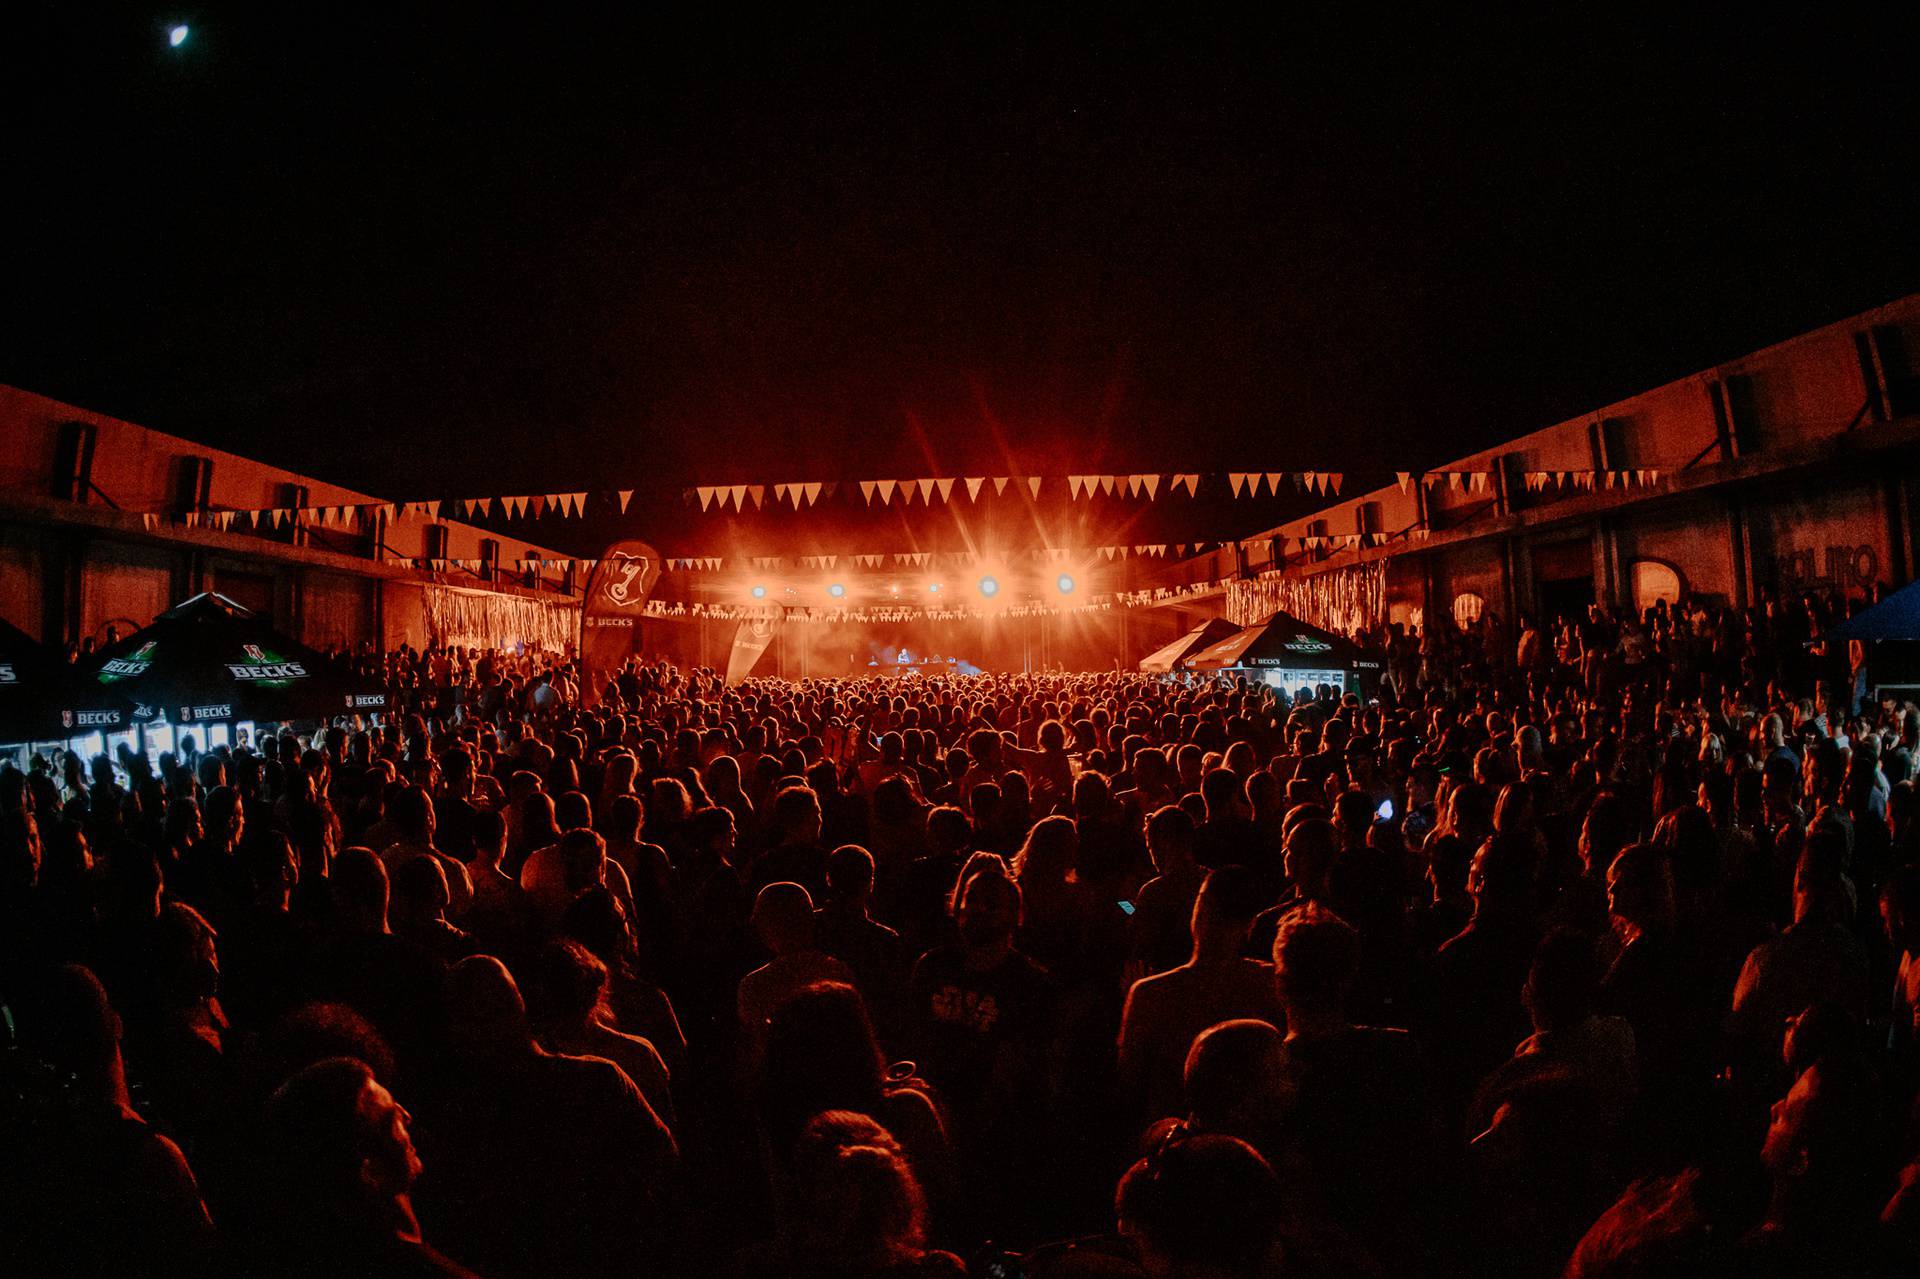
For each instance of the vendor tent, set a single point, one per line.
(44, 698)
(210, 660)
(1173, 656)
(1290, 654)
(1897, 617)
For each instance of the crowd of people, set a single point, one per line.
(1587, 948)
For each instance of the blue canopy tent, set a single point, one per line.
(1891, 632)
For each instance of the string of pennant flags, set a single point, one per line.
(1280, 544)
(886, 492)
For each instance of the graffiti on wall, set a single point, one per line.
(1841, 568)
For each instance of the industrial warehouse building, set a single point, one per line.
(1793, 467)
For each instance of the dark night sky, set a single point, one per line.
(457, 250)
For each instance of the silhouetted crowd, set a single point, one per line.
(1587, 948)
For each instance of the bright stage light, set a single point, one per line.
(933, 588)
(177, 36)
(989, 586)
(758, 592)
(836, 590)
(1065, 583)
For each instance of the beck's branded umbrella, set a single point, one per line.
(208, 659)
(43, 698)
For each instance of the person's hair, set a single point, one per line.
(849, 871)
(572, 811)
(1228, 1063)
(793, 806)
(1047, 856)
(948, 829)
(360, 879)
(821, 1054)
(857, 1205)
(412, 812)
(489, 828)
(317, 1135)
(1205, 1200)
(1171, 828)
(1315, 957)
(598, 921)
(316, 1031)
(567, 984)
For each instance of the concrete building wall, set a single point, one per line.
(70, 569)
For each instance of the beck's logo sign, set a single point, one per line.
(627, 580)
(1308, 644)
(134, 663)
(361, 701)
(90, 719)
(268, 670)
(189, 714)
(6, 674)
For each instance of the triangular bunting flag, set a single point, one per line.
(1000, 484)
(946, 489)
(1236, 480)
(1152, 485)
(758, 493)
(1402, 477)
(706, 496)
(811, 491)
(1033, 485)
(885, 488)
(866, 490)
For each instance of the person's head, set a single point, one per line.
(486, 1017)
(822, 1053)
(783, 918)
(1047, 857)
(572, 811)
(857, 1206)
(490, 834)
(68, 1023)
(1201, 1205)
(1224, 909)
(1311, 847)
(1170, 839)
(339, 1142)
(1562, 981)
(185, 964)
(1900, 909)
(1316, 956)
(1640, 888)
(360, 890)
(1819, 890)
(412, 812)
(796, 815)
(1608, 828)
(948, 831)
(583, 859)
(1818, 1133)
(226, 816)
(568, 986)
(1821, 1029)
(850, 875)
(419, 891)
(1232, 1075)
(989, 908)
(1500, 877)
